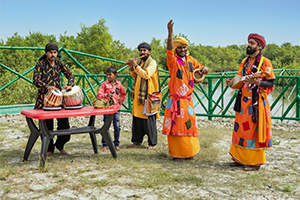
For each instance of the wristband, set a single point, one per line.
(258, 82)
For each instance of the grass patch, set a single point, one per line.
(276, 142)
(287, 188)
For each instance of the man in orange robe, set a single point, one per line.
(180, 119)
(252, 128)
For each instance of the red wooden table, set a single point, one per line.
(46, 134)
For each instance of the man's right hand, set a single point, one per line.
(52, 88)
(229, 82)
(130, 63)
(170, 26)
(170, 35)
(110, 95)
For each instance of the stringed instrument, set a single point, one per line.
(238, 80)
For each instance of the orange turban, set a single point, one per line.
(180, 41)
(258, 38)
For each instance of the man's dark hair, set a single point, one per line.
(144, 45)
(111, 69)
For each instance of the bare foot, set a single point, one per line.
(151, 147)
(117, 148)
(49, 153)
(63, 152)
(103, 149)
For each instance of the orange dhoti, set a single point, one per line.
(249, 139)
(181, 130)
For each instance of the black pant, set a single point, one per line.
(62, 123)
(142, 127)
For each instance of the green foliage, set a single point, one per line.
(19, 92)
(158, 53)
(97, 40)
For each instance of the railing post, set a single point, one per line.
(210, 98)
(61, 74)
(83, 88)
(222, 90)
(298, 98)
(129, 98)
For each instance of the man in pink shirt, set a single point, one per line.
(112, 88)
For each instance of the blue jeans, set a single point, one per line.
(117, 129)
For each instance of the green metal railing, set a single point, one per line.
(211, 99)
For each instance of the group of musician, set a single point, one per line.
(252, 127)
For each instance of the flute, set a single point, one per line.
(136, 59)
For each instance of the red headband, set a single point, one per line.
(258, 38)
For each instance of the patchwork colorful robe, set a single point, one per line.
(180, 119)
(249, 139)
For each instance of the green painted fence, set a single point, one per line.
(213, 98)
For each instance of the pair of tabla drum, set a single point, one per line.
(72, 99)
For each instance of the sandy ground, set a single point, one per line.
(282, 171)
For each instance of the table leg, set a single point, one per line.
(105, 134)
(46, 136)
(34, 134)
(92, 134)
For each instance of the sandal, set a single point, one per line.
(235, 164)
(179, 159)
(251, 168)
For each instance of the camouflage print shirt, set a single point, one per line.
(47, 75)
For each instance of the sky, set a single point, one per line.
(206, 22)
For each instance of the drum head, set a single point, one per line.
(197, 76)
(56, 92)
(237, 82)
(74, 90)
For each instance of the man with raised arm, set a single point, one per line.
(180, 123)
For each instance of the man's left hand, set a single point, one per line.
(132, 62)
(204, 70)
(251, 80)
(68, 87)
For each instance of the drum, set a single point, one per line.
(73, 97)
(238, 82)
(198, 78)
(53, 98)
